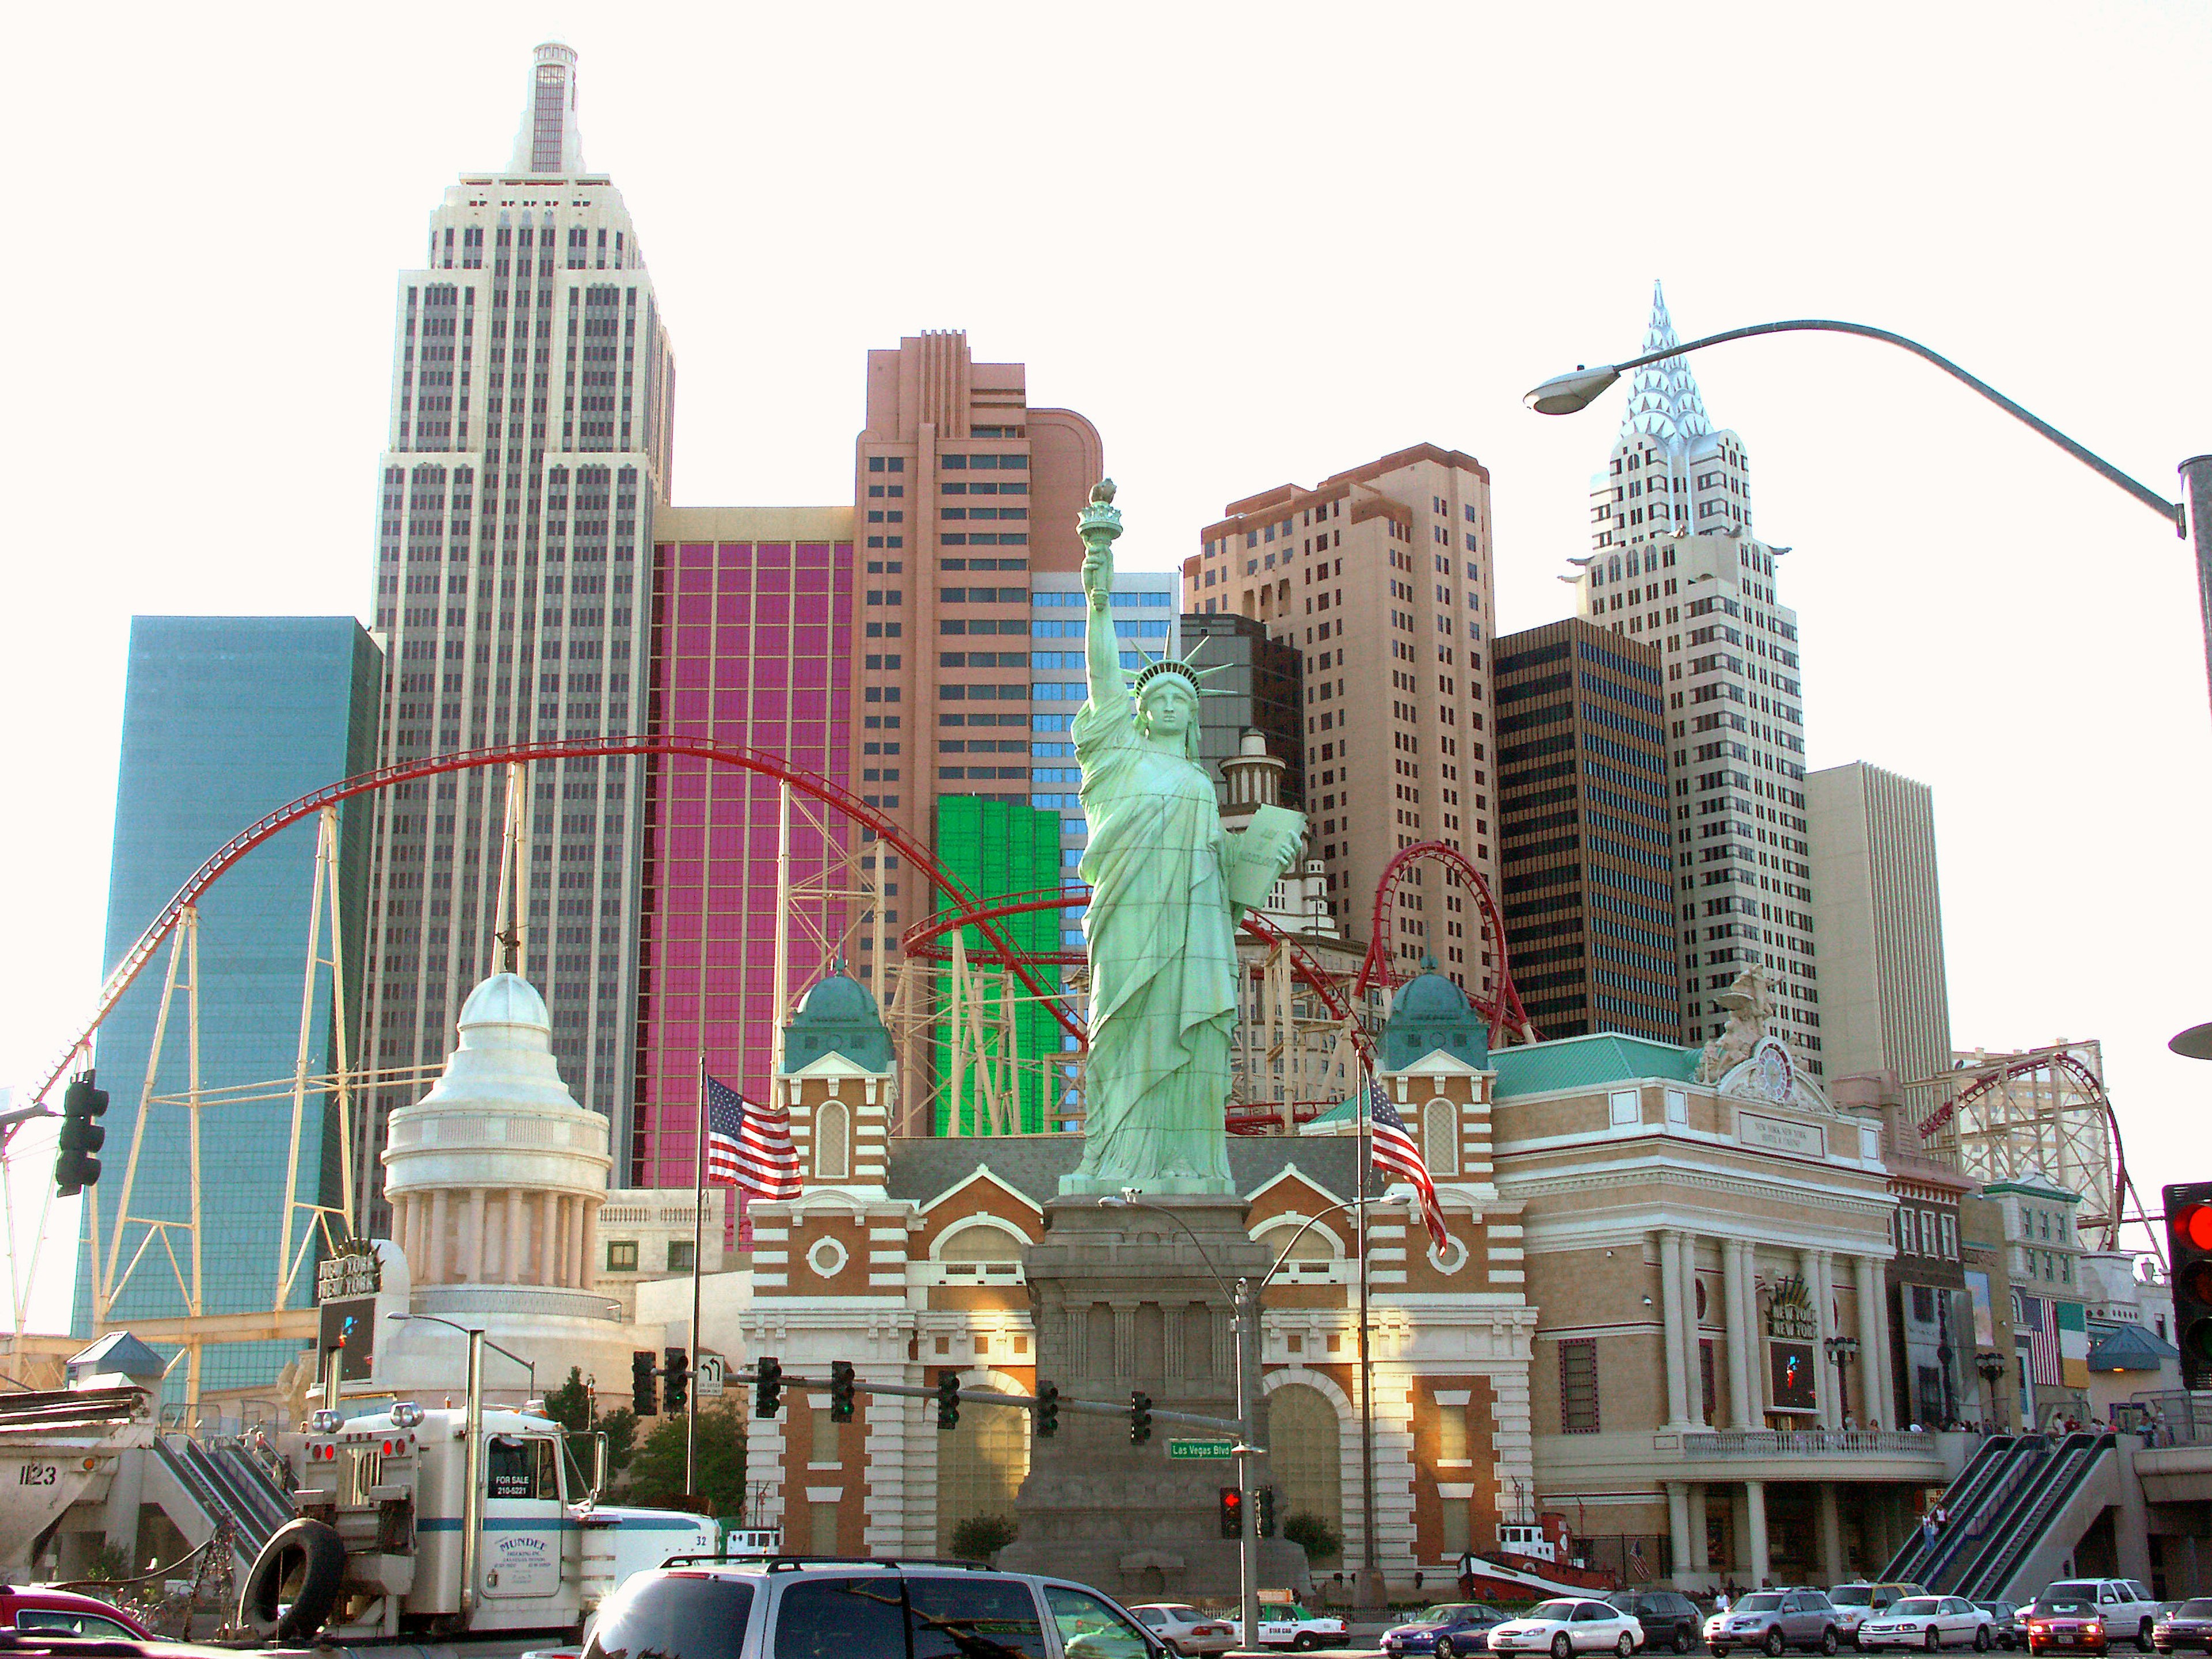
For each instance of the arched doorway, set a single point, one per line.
(1306, 1453)
(980, 1464)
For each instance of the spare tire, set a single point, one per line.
(304, 1560)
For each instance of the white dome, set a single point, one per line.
(508, 1000)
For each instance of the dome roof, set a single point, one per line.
(839, 997)
(837, 1017)
(504, 999)
(1430, 996)
(1430, 1012)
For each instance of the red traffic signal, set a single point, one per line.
(2189, 1251)
(1232, 1512)
(2192, 1227)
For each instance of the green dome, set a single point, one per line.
(1430, 1012)
(838, 1016)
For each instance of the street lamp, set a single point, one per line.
(1991, 1365)
(1244, 1316)
(1841, 1350)
(1566, 394)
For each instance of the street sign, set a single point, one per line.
(706, 1376)
(1180, 1450)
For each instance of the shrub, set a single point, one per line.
(980, 1537)
(1320, 1540)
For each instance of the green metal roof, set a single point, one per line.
(1586, 1062)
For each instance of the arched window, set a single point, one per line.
(833, 1139)
(1440, 1137)
(1311, 1257)
(1307, 1454)
(980, 1467)
(982, 1253)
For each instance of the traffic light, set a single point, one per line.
(948, 1399)
(1048, 1409)
(841, 1391)
(641, 1401)
(675, 1380)
(1140, 1417)
(75, 1168)
(768, 1385)
(1263, 1501)
(1232, 1512)
(2189, 1249)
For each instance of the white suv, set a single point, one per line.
(2124, 1604)
(707, 1607)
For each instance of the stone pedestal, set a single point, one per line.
(1123, 1300)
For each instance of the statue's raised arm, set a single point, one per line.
(1100, 524)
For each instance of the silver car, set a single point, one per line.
(1775, 1620)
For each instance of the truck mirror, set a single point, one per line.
(598, 1465)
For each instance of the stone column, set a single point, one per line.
(434, 1270)
(1873, 1382)
(574, 1240)
(1886, 1372)
(1694, 1385)
(518, 1240)
(1831, 1528)
(1700, 1562)
(548, 1234)
(590, 1275)
(1678, 1526)
(1754, 1503)
(1832, 1413)
(1809, 1268)
(1742, 1337)
(1670, 1301)
(472, 1245)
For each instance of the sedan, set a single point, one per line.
(1293, 1626)
(1185, 1629)
(2065, 1624)
(1931, 1622)
(2005, 1624)
(1446, 1629)
(1565, 1627)
(65, 1613)
(2187, 1627)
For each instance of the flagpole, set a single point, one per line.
(698, 1249)
(1370, 1592)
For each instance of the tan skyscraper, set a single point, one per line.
(1878, 917)
(1380, 577)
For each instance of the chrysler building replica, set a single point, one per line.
(529, 444)
(1675, 563)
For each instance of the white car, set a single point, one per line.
(1930, 1622)
(1565, 1627)
(1185, 1629)
(1293, 1626)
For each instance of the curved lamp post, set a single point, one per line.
(1244, 1306)
(1841, 1350)
(1566, 394)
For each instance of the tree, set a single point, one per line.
(980, 1537)
(1310, 1532)
(570, 1406)
(656, 1474)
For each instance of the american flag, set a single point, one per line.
(1396, 1154)
(2040, 1315)
(749, 1147)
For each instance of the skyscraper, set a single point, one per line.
(1380, 577)
(1675, 563)
(1586, 830)
(1880, 921)
(529, 448)
(225, 718)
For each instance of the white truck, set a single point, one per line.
(409, 1523)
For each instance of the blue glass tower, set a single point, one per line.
(225, 718)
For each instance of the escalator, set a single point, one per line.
(226, 1483)
(1970, 1528)
(2001, 1455)
(1988, 1574)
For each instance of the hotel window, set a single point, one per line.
(1950, 1238)
(622, 1256)
(1578, 1386)
(832, 1139)
(825, 1448)
(679, 1255)
(1451, 1434)
(1440, 1137)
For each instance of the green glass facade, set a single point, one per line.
(224, 719)
(993, 848)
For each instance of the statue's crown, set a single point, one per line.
(1180, 666)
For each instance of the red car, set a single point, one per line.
(65, 1613)
(2064, 1624)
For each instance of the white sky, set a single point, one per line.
(1254, 244)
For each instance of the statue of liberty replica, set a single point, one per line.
(1127, 1286)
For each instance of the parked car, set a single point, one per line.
(2126, 1606)
(1771, 1621)
(2066, 1624)
(2005, 1624)
(1290, 1626)
(65, 1613)
(718, 1610)
(2183, 1626)
(1446, 1629)
(1855, 1603)
(1185, 1629)
(1669, 1620)
(1931, 1622)
(1567, 1627)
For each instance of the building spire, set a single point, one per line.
(1664, 400)
(549, 143)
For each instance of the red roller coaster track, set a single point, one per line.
(1503, 1007)
(2053, 1060)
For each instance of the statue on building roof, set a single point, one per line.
(1750, 1005)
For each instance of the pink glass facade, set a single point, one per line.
(751, 644)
